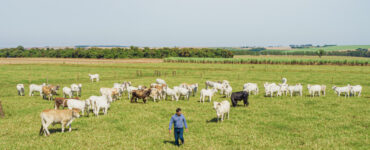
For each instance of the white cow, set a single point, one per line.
(221, 109)
(76, 88)
(79, 104)
(99, 102)
(356, 89)
(94, 77)
(207, 92)
(284, 88)
(111, 93)
(182, 92)
(192, 87)
(313, 89)
(227, 90)
(67, 91)
(345, 90)
(36, 88)
(251, 87)
(170, 92)
(20, 89)
(295, 89)
(160, 81)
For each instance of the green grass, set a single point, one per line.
(328, 122)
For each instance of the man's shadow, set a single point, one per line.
(170, 142)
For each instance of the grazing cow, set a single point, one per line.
(76, 88)
(67, 92)
(207, 92)
(221, 109)
(94, 77)
(47, 93)
(20, 89)
(52, 116)
(346, 90)
(237, 96)
(215, 85)
(36, 88)
(97, 103)
(61, 101)
(251, 87)
(192, 87)
(78, 104)
(170, 92)
(356, 89)
(295, 89)
(267, 88)
(160, 81)
(140, 94)
(313, 89)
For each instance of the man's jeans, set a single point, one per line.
(178, 132)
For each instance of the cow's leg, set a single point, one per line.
(46, 125)
(69, 125)
(63, 125)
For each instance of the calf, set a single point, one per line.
(52, 116)
(221, 109)
(140, 94)
(36, 88)
(94, 77)
(170, 92)
(313, 89)
(237, 96)
(20, 89)
(207, 92)
(47, 93)
(67, 92)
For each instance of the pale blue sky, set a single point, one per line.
(183, 22)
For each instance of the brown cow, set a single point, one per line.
(141, 94)
(47, 93)
(61, 101)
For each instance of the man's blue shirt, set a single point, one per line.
(178, 121)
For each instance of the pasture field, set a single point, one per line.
(327, 122)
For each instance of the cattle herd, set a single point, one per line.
(159, 91)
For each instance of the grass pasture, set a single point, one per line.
(328, 122)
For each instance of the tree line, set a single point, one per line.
(360, 52)
(114, 53)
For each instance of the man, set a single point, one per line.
(178, 121)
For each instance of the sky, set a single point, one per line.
(183, 23)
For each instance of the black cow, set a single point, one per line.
(238, 96)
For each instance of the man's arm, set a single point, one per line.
(186, 125)
(171, 121)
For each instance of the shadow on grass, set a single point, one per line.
(169, 142)
(214, 120)
(52, 131)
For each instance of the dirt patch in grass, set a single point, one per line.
(75, 61)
